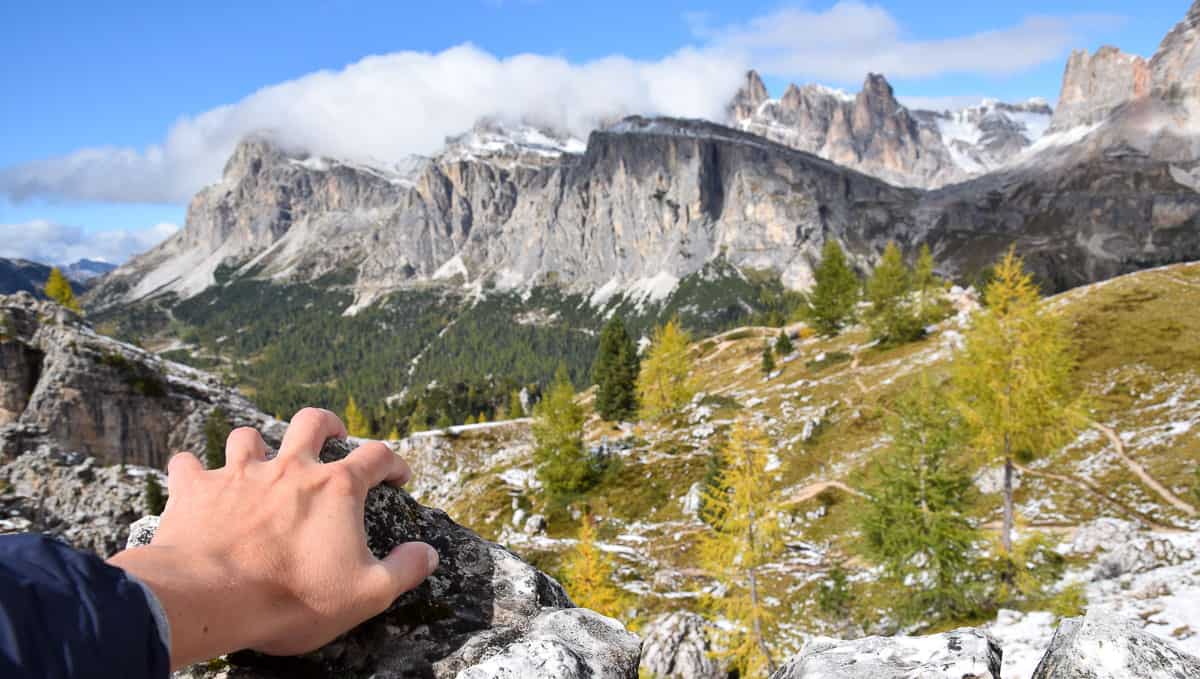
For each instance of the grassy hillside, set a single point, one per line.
(825, 412)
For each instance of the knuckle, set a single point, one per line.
(342, 479)
(308, 415)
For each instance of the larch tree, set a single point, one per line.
(216, 430)
(615, 372)
(831, 302)
(563, 465)
(915, 525)
(515, 409)
(924, 280)
(588, 575)
(153, 495)
(58, 288)
(665, 382)
(356, 421)
(768, 359)
(891, 314)
(1013, 381)
(742, 510)
(783, 344)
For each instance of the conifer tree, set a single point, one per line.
(665, 381)
(515, 409)
(768, 360)
(1012, 382)
(443, 421)
(418, 419)
(588, 575)
(470, 419)
(153, 495)
(356, 421)
(783, 345)
(216, 430)
(915, 525)
(58, 288)
(923, 278)
(482, 419)
(891, 315)
(394, 433)
(501, 414)
(562, 462)
(835, 292)
(743, 512)
(615, 372)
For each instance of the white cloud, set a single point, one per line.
(852, 38)
(386, 107)
(49, 242)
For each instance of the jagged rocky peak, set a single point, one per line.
(1094, 85)
(873, 132)
(749, 97)
(1175, 67)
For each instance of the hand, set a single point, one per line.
(272, 555)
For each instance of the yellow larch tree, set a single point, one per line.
(665, 382)
(742, 510)
(588, 575)
(58, 288)
(356, 422)
(1012, 383)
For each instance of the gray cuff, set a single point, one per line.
(156, 609)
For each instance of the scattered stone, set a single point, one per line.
(535, 525)
(677, 646)
(1098, 647)
(962, 654)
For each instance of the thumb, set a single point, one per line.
(403, 569)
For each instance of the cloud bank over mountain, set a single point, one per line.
(385, 107)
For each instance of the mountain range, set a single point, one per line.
(1105, 185)
(18, 275)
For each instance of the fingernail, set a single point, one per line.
(432, 556)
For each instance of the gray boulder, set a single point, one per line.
(1098, 647)
(484, 613)
(676, 646)
(962, 654)
(69, 496)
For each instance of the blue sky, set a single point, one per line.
(108, 117)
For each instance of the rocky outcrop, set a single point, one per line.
(676, 646)
(649, 200)
(1099, 647)
(1094, 85)
(93, 395)
(70, 496)
(873, 133)
(962, 654)
(870, 132)
(1175, 66)
(484, 614)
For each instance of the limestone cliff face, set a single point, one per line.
(100, 397)
(649, 198)
(1175, 67)
(875, 134)
(1094, 85)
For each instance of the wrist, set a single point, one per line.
(207, 601)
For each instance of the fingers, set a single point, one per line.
(307, 432)
(245, 445)
(373, 463)
(182, 469)
(400, 571)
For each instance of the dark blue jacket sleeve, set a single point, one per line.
(64, 613)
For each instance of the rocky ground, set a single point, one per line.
(1118, 501)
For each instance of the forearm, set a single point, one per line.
(205, 601)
